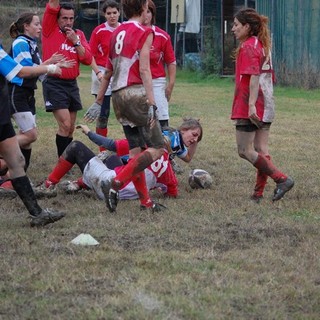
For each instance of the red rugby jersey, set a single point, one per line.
(126, 42)
(100, 42)
(251, 60)
(54, 40)
(161, 168)
(161, 53)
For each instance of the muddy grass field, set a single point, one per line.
(213, 254)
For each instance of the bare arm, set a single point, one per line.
(144, 68)
(96, 70)
(172, 78)
(253, 96)
(31, 72)
(103, 86)
(191, 151)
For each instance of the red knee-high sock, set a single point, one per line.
(140, 184)
(266, 166)
(261, 181)
(61, 168)
(103, 132)
(135, 165)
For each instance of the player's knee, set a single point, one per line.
(32, 136)
(18, 164)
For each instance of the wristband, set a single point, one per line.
(98, 72)
(51, 68)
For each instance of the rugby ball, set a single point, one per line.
(200, 179)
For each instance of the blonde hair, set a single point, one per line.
(191, 123)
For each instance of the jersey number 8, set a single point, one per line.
(119, 44)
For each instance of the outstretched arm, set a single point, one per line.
(31, 72)
(99, 140)
(54, 3)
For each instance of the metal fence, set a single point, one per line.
(295, 28)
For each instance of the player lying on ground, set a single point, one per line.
(102, 168)
(181, 142)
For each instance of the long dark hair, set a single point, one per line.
(258, 27)
(153, 10)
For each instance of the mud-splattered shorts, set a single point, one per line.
(131, 109)
(245, 125)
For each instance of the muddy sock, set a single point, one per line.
(62, 167)
(102, 129)
(264, 165)
(135, 165)
(24, 190)
(261, 181)
(140, 184)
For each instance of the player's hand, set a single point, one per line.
(253, 116)
(92, 113)
(64, 63)
(152, 116)
(100, 76)
(168, 93)
(71, 34)
(85, 129)
(55, 58)
(255, 120)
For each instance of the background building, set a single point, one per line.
(294, 24)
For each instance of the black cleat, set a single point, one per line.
(282, 188)
(256, 198)
(7, 193)
(156, 207)
(111, 196)
(45, 217)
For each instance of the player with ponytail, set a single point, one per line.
(253, 104)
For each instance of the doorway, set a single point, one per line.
(229, 43)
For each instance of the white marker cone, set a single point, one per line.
(85, 240)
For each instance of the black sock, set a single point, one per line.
(62, 143)
(27, 155)
(24, 190)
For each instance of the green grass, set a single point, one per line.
(213, 255)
